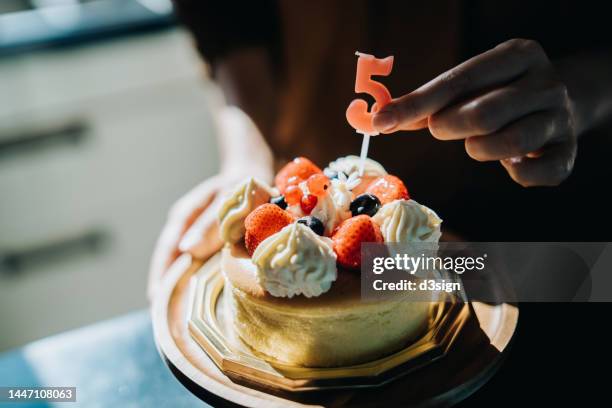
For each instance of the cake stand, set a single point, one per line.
(460, 363)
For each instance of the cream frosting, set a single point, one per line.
(330, 212)
(295, 210)
(342, 189)
(407, 221)
(238, 205)
(350, 164)
(295, 261)
(333, 208)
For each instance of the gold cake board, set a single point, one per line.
(469, 358)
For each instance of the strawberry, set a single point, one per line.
(295, 172)
(362, 187)
(264, 221)
(348, 237)
(293, 195)
(388, 188)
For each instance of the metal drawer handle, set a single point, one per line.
(15, 262)
(72, 131)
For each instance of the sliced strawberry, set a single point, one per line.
(388, 188)
(348, 237)
(264, 221)
(294, 172)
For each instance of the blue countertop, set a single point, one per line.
(71, 23)
(115, 363)
(112, 364)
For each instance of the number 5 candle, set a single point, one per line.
(357, 113)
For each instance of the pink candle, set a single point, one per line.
(357, 112)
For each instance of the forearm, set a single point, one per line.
(245, 78)
(589, 84)
(242, 149)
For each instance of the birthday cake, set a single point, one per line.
(292, 260)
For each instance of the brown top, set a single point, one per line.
(311, 47)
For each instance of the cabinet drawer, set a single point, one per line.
(29, 82)
(81, 208)
(144, 146)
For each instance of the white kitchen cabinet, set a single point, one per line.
(80, 212)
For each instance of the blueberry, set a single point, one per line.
(367, 204)
(280, 201)
(313, 223)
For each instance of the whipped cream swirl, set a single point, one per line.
(333, 208)
(408, 221)
(295, 261)
(350, 164)
(248, 195)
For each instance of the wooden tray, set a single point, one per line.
(469, 363)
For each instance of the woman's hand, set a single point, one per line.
(192, 225)
(508, 104)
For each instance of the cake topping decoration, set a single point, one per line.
(333, 208)
(294, 172)
(318, 184)
(408, 221)
(346, 182)
(348, 238)
(246, 196)
(293, 195)
(367, 204)
(295, 261)
(280, 201)
(388, 188)
(313, 223)
(350, 164)
(264, 221)
(308, 203)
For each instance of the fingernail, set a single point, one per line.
(193, 236)
(515, 160)
(191, 239)
(385, 120)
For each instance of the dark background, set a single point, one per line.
(560, 356)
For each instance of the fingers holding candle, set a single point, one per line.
(507, 104)
(518, 139)
(505, 63)
(493, 110)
